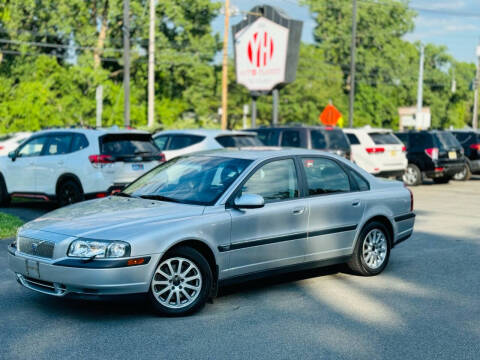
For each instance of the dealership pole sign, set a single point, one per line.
(267, 43)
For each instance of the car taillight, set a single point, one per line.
(160, 157)
(375, 150)
(100, 160)
(404, 149)
(475, 147)
(432, 153)
(411, 198)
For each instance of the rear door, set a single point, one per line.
(335, 208)
(132, 154)
(274, 235)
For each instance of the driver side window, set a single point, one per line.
(33, 147)
(274, 181)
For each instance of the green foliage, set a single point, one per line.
(9, 225)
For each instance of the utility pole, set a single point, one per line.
(151, 66)
(126, 62)
(420, 86)
(225, 66)
(477, 84)
(352, 64)
(275, 107)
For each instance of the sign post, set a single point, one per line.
(267, 43)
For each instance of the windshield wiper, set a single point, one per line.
(160, 198)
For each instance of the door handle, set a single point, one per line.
(298, 211)
(355, 202)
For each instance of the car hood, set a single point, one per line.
(112, 217)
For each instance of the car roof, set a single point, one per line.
(98, 132)
(296, 127)
(261, 153)
(367, 129)
(203, 132)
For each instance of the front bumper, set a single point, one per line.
(46, 276)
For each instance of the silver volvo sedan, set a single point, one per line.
(197, 222)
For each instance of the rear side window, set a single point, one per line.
(291, 138)
(361, 182)
(384, 138)
(446, 140)
(420, 141)
(268, 137)
(329, 139)
(80, 142)
(353, 139)
(182, 141)
(127, 144)
(467, 138)
(325, 176)
(58, 144)
(161, 142)
(403, 138)
(238, 140)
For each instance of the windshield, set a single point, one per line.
(446, 140)
(191, 180)
(329, 139)
(238, 140)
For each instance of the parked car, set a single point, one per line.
(470, 141)
(175, 143)
(378, 151)
(204, 220)
(435, 154)
(10, 142)
(326, 138)
(74, 164)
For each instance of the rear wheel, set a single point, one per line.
(181, 283)
(463, 175)
(442, 180)
(69, 192)
(412, 175)
(372, 250)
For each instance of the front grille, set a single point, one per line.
(40, 248)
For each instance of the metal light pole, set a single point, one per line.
(225, 67)
(126, 62)
(477, 84)
(151, 66)
(420, 86)
(352, 64)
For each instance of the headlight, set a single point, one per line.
(98, 249)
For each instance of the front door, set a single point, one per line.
(275, 235)
(20, 174)
(335, 209)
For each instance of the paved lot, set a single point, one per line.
(426, 305)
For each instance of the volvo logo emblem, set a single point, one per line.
(34, 248)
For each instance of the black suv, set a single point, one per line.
(435, 154)
(470, 141)
(310, 137)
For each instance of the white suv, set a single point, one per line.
(174, 143)
(378, 151)
(73, 164)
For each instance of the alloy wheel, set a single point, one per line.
(374, 250)
(176, 283)
(410, 176)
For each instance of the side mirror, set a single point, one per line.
(12, 155)
(249, 201)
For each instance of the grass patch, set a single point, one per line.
(9, 225)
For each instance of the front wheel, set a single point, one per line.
(181, 283)
(372, 250)
(463, 175)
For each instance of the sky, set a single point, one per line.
(452, 23)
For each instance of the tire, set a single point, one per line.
(442, 180)
(412, 176)
(168, 293)
(463, 175)
(69, 192)
(376, 234)
(4, 196)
